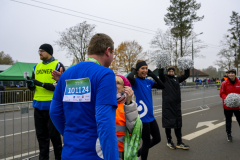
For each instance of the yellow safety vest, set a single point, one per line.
(43, 74)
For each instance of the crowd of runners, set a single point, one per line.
(93, 109)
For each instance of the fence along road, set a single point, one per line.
(17, 134)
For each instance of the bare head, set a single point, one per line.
(101, 47)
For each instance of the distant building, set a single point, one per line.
(4, 67)
(197, 73)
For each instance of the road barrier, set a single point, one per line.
(15, 96)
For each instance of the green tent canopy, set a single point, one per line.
(16, 72)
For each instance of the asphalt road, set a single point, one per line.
(197, 106)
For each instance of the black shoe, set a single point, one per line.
(182, 146)
(229, 138)
(171, 145)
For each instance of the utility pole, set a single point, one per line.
(193, 56)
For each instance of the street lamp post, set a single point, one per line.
(193, 56)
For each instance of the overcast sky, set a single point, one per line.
(24, 28)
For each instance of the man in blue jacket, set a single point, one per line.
(84, 105)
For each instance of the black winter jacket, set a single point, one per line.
(171, 99)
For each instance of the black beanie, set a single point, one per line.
(140, 64)
(171, 68)
(47, 47)
(232, 71)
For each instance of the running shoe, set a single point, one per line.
(229, 138)
(171, 145)
(182, 146)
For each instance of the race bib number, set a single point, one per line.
(77, 90)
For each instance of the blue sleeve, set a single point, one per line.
(106, 104)
(107, 90)
(106, 128)
(56, 109)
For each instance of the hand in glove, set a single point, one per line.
(29, 82)
(150, 73)
(133, 70)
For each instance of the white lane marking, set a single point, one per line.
(157, 110)
(24, 154)
(188, 113)
(17, 133)
(198, 93)
(195, 112)
(15, 118)
(199, 98)
(210, 127)
(189, 100)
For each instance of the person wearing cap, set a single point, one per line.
(43, 85)
(225, 77)
(171, 106)
(142, 88)
(231, 85)
(126, 113)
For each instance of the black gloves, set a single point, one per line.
(48, 86)
(29, 82)
(37, 83)
(32, 82)
(133, 70)
(150, 73)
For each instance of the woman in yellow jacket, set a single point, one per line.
(126, 113)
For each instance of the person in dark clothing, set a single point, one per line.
(225, 77)
(171, 106)
(231, 85)
(43, 85)
(142, 88)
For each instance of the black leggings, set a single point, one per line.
(178, 133)
(149, 128)
(228, 115)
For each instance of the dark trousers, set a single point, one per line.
(45, 131)
(150, 128)
(228, 115)
(121, 155)
(178, 133)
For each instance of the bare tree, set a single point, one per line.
(211, 71)
(6, 58)
(163, 41)
(75, 40)
(167, 42)
(126, 56)
(187, 46)
(226, 60)
(227, 54)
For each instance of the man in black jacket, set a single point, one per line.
(171, 106)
